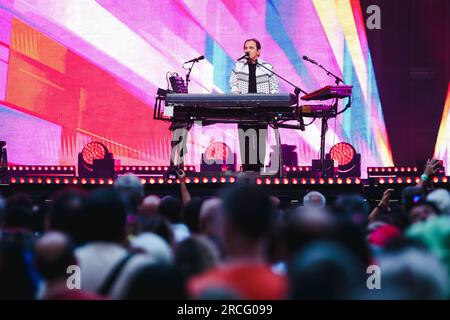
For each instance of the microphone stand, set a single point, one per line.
(324, 125)
(188, 74)
(336, 78)
(297, 91)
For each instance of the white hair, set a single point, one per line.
(308, 203)
(441, 199)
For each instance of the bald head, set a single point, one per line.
(150, 206)
(54, 252)
(211, 217)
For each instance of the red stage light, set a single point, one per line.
(444, 179)
(312, 181)
(143, 181)
(330, 180)
(48, 181)
(267, 181)
(92, 181)
(187, 180)
(303, 181)
(417, 180)
(357, 180)
(232, 179)
(205, 180)
(321, 180)
(223, 180)
(151, 180)
(13, 180)
(276, 181)
(83, 181)
(166, 168)
(110, 181)
(408, 180)
(391, 180)
(399, 180)
(169, 181)
(339, 180)
(66, 181)
(381, 181)
(93, 150)
(160, 180)
(217, 151)
(288, 169)
(39, 180)
(57, 181)
(343, 153)
(22, 180)
(258, 181)
(435, 180)
(285, 181)
(348, 181)
(294, 181)
(20, 168)
(30, 180)
(214, 180)
(196, 180)
(75, 181)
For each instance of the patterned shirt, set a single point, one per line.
(266, 82)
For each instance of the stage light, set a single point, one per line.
(95, 161)
(294, 181)
(232, 179)
(218, 157)
(258, 181)
(349, 162)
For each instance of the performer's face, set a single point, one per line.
(250, 47)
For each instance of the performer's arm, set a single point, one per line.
(273, 81)
(233, 82)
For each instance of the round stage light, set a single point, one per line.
(343, 153)
(92, 151)
(217, 151)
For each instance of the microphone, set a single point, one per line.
(246, 55)
(310, 60)
(195, 60)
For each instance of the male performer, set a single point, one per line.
(249, 77)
